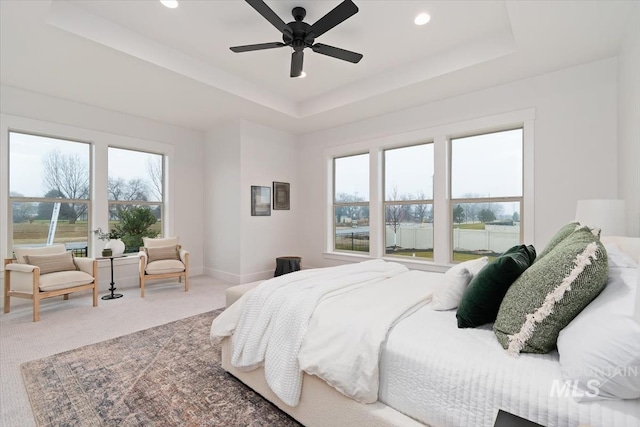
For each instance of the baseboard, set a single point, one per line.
(231, 278)
(253, 277)
(237, 279)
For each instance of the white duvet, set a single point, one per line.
(345, 335)
(270, 323)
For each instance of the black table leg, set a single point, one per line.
(112, 288)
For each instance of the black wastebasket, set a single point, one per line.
(287, 264)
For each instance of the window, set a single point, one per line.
(486, 193)
(49, 191)
(439, 195)
(351, 203)
(136, 195)
(408, 201)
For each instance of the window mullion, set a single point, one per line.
(442, 231)
(376, 210)
(100, 211)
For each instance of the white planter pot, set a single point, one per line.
(116, 246)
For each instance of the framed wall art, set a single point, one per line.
(281, 196)
(260, 201)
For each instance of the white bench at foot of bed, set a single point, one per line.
(320, 404)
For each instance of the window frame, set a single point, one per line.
(441, 136)
(31, 199)
(100, 141)
(161, 203)
(504, 199)
(336, 204)
(386, 202)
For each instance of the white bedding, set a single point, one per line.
(270, 323)
(428, 368)
(445, 376)
(345, 336)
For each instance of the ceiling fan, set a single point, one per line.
(300, 35)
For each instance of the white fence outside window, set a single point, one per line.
(495, 238)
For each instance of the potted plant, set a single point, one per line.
(114, 246)
(135, 224)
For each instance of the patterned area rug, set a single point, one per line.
(169, 375)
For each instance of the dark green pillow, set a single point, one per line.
(560, 235)
(547, 296)
(481, 300)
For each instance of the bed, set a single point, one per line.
(448, 377)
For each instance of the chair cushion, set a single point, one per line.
(162, 252)
(148, 242)
(164, 266)
(64, 279)
(20, 252)
(52, 263)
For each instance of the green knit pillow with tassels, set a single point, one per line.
(560, 235)
(550, 293)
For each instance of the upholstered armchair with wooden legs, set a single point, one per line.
(46, 272)
(162, 259)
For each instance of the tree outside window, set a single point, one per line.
(135, 190)
(49, 191)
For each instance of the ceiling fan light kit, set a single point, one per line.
(299, 35)
(171, 4)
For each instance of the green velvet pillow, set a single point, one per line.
(547, 296)
(560, 235)
(481, 300)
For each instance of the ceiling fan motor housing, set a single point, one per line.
(301, 36)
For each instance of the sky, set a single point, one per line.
(27, 153)
(488, 165)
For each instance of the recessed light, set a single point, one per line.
(302, 75)
(171, 4)
(422, 19)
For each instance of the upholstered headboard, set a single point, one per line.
(631, 246)
(628, 245)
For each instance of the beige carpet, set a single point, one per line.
(71, 324)
(169, 375)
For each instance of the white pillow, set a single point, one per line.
(617, 258)
(455, 281)
(600, 349)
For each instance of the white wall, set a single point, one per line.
(629, 128)
(26, 111)
(242, 247)
(575, 144)
(222, 202)
(267, 155)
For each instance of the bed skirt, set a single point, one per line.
(320, 404)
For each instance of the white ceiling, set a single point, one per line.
(175, 66)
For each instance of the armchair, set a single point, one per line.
(161, 259)
(46, 272)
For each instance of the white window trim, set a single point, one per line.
(100, 142)
(440, 135)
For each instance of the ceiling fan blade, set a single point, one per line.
(340, 13)
(270, 15)
(336, 52)
(296, 63)
(260, 46)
